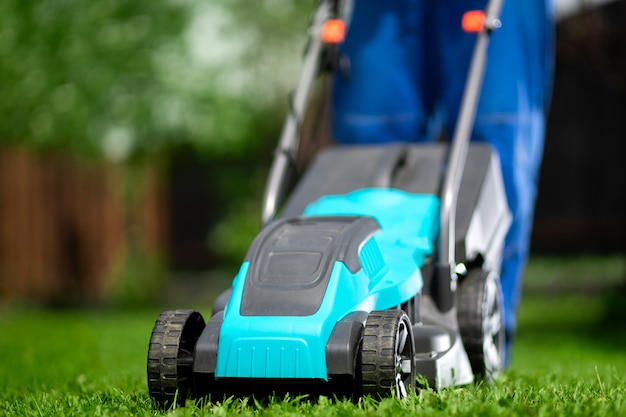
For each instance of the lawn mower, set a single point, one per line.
(375, 273)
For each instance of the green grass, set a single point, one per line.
(570, 359)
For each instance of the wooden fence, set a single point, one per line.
(65, 224)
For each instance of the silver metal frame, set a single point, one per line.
(462, 135)
(284, 159)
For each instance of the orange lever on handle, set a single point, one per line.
(473, 21)
(333, 31)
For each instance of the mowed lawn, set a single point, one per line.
(569, 359)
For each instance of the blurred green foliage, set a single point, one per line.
(74, 73)
(139, 82)
(120, 79)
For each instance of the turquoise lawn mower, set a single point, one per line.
(378, 273)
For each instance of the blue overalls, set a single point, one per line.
(408, 64)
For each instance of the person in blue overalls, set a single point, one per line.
(408, 64)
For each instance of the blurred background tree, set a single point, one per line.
(118, 79)
(136, 90)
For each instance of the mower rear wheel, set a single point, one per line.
(481, 322)
(170, 356)
(387, 354)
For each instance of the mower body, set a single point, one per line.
(358, 235)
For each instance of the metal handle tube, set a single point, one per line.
(461, 137)
(278, 180)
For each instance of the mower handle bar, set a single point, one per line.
(461, 138)
(283, 164)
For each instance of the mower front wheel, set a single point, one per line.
(170, 356)
(387, 354)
